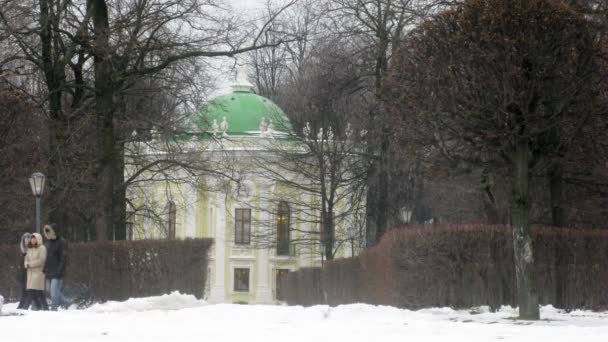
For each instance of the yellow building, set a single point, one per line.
(258, 234)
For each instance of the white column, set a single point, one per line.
(191, 206)
(218, 293)
(264, 290)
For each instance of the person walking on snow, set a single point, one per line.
(54, 269)
(35, 259)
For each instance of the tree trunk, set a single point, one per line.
(556, 183)
(378, 182)
(489, 201)
(104, 110)
(522, 242)
(329, 239)
(383, 186)
(56, 202)
(371, 199)
(120, 211)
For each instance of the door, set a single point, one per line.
(280, 274)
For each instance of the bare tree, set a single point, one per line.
(90, 53)
(322, 168)
(278, 66)
(377, 27)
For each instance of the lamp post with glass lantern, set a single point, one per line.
(37, 181)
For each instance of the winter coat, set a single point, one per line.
(56, 257)
(34, 262)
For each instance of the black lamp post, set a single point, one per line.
(37, 181)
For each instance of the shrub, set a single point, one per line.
(100, 271)
(462, 266)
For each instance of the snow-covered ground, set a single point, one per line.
(182, 318)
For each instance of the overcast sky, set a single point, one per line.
(247, 4)
(248, 9)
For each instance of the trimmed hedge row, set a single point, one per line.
(461, 266)
(101, 271)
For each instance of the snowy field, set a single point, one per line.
(182, 318)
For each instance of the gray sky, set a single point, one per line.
(247, 4)
(249, 9)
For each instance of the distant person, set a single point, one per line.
(22, 272)
(35, 258)
(54, 269)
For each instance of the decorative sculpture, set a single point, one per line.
(224, 126)
(214, 127)
(306, 130)
(263, 127)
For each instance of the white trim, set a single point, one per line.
(244, 258)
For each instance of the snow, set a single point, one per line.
(173, 301)
(177, 317)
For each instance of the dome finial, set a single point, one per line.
(242, 84)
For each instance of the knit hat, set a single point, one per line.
(49, 232)
(25, 239)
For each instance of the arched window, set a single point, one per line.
(171, 220)
(283, 228)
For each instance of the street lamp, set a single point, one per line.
(37, 181)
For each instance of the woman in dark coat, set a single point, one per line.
(22, 272)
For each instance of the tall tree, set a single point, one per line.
(485, 84)
(324, 163)
(379, 26)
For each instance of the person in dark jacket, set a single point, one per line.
(54, 268)
(22, 272)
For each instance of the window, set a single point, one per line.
(283, 229)
(171, 220)
(241, 280)
(242, 226)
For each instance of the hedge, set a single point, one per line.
(461, 266)
(101, 271)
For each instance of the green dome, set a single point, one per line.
(246, 114)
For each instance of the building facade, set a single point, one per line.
(259, 235)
